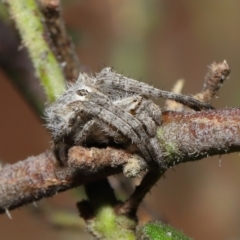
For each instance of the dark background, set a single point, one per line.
(159, 42)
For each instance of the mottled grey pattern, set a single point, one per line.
(109, 107)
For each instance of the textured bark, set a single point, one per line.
(182, 136)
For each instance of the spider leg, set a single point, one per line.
(81, 135)
(112, 84)
(143, 109)
(110, 118)
(128, 124)
(136, 106)
(60, 150)
(99, 106)
(97, 131)
(149, 114)
(148, 124)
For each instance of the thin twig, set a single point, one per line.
(130, 206)
(217, 74)
(59, 40)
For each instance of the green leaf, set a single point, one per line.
(160, 231)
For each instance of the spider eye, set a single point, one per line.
(82, 92)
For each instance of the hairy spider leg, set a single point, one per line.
(125, 122)
(114, 84)
(143, 109)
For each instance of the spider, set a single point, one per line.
(110, 108)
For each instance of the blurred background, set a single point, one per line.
(157, 41)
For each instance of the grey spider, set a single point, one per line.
(110, 108)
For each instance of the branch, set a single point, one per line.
(41, 176)
(188, 137)
(182, 136)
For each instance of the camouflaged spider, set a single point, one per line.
(106, 108)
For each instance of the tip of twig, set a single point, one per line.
(8, 213)
(173, 105)
(215, 77)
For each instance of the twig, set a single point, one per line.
(41, 176)
(215, 77)
(188, 137)
(217, 74)
(182, 136)
(60, 42)
(130, 206)
(172, 105)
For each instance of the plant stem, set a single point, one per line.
(29, 22)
